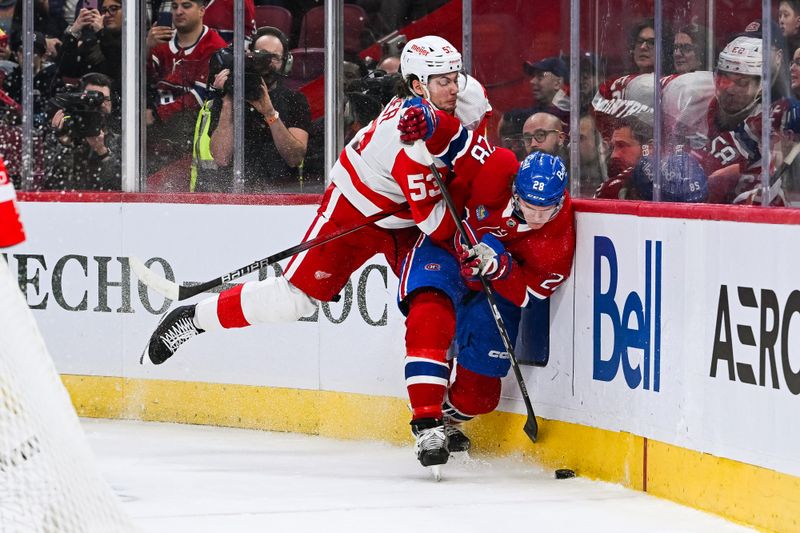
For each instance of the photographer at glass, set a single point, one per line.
(276, 123)
(86, 153)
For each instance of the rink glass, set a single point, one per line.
(497, 40)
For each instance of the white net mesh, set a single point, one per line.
(48, 480)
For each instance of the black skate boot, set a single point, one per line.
(456, 440)
(176, 328)
(431, 446)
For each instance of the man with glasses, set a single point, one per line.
(97, 50)
(276, 123)
(543, 132)
(547, 79)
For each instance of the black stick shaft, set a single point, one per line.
(187, 291)
(531, 427)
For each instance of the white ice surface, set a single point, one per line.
(180, 478)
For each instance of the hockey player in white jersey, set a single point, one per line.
(374, 174)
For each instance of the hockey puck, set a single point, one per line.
(564, 473)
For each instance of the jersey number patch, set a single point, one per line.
(421, 186)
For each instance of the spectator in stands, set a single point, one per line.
(543, 132)
(50, 25)
(5, 46)
(389, 64)
(45, 77)
(219, 16)
(592, 150)
(688, 49)
(276, 124)
(178, 72)
(794, 71)
(642, 41)
(588, 81)
(627, 142)
(100, 50)
(87, 154)
(548, 77)
(789, 22)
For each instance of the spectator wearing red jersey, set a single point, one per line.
(178, 71)
(219, 15)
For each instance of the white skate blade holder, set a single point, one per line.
(436, 472)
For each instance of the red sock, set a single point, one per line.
(473, 394)
(430, 326)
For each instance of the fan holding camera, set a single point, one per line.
(87, 154)
(277, 121)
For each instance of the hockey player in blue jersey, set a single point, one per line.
(522, 240)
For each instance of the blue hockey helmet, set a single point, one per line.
(643, 177)
(683, 179)
(541, 180)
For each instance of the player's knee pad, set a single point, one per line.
(474, 394)
(430, 323)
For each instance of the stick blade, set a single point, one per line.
(531, 428)
(158, 283)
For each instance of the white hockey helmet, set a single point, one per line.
(472, 104)
(741, 56)
(428, 56)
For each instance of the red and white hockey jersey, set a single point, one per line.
(11, 231)
(376, 171)
(181, 73)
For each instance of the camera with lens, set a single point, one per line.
(257, 66)
(83, 114)
(368, 95)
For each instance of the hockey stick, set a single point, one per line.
(787, 162)
(176, 292)
(531, 427)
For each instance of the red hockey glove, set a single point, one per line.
(418, 122)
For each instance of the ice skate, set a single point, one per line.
(175, 329)
(457, 441)
(431, 446)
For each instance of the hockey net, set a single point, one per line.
(48, 479)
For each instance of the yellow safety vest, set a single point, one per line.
(201, 145)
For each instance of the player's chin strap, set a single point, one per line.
(517, 210)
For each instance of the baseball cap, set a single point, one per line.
(556, 65)
(754, 30)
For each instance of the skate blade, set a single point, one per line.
(436, 472)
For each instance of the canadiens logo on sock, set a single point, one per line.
(433, 267)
